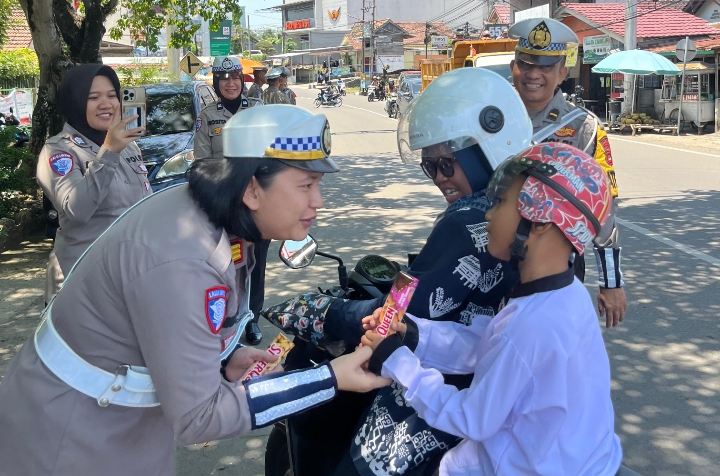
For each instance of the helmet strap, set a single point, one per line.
(517, 247)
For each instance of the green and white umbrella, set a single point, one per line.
(636, 62)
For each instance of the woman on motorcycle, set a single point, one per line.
(459, 139)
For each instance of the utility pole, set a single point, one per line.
(427, 37)
(363, 39)
(372, 40)
(630, 44)
(173, 57)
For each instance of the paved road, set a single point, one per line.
(665, 357)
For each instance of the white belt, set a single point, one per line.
(129, 386)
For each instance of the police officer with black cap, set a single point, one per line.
(545, 50)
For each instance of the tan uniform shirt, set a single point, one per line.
(90, 187)
(139, 297)
(208, 131)
(586, 133)
(255, 91)
(273, 95)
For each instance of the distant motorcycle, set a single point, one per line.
(376, 94)
(576, 97)
(341, 87)
(328, 98)
(391, 106)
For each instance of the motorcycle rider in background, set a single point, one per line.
(464, 137)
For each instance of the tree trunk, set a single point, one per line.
(61, 40)
(53, 64)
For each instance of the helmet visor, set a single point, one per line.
(325, 166)
(504, 176)
(422, 135)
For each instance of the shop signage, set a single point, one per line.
(341, 71)
(334, 14)
(297, 24)
(496, 29)
(439, 42)
(596, 48)
(220, 39)
(690, 97)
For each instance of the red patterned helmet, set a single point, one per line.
(565, 186)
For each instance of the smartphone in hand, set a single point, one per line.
(134, 103)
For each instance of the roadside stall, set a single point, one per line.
(698, 101)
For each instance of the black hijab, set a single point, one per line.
(72, 97)
(234, 104)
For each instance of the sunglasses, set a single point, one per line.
(443, 164)
(525, 66)
(230, 75)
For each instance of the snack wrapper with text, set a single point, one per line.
(396, 303)
(280, 346)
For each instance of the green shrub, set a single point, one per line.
(16, 64)
(17, 166)
(141, 73)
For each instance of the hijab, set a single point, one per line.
(231, 105)
(72, 97)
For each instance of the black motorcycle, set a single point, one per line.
(292, 447)
(326, 97)
(376, 94)
(576, 97)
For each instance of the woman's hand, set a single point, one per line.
(351, 374)
(117, 137)
(243, 358)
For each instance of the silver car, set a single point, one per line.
(409, 89)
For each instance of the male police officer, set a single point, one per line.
(273, 95)
(256, 91)
(284, 85)
(539, 68)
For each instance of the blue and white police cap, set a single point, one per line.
(226, 64)
(544, 39)
(279, 131)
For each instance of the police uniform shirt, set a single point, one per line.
(255, 91)
(90, 187)
(588, 134)
(208, 131)
(142, 296)
(291, 96)
(273, 95)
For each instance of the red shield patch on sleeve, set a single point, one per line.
(216, 307)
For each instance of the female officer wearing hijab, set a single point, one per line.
(92, 171)
(229, 83)
(127, 359)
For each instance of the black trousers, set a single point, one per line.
(257, 279)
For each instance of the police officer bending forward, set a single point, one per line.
(127, 359)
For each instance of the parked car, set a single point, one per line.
(408, 90)
(167, 146)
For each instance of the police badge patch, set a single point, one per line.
(62, 164)
(78, 140)
(215, 307)
(539, 38)
(198, 124)
(326, 139)
(142, 168)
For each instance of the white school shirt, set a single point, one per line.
(539, 403)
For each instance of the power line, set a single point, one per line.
(452, 10)
(466, 13)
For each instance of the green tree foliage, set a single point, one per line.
(16, 167)
(145, 19)
(6, 7)
(140, 73)
(267, 46)
(17, 64)
(290, 45)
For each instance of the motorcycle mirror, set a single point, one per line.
(298, 254)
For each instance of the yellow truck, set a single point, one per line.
(494, 55)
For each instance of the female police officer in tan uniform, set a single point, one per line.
(92, 171)
(228, 83)
(127, 359)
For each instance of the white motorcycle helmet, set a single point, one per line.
(463, 108)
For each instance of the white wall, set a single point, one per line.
(709, 12)
(322, 17)
(419, 11)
